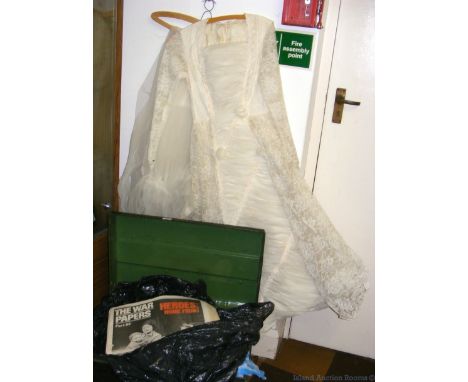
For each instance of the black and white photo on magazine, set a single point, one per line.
(138, 324)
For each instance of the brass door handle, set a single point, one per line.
(355, 103)
(340, 100)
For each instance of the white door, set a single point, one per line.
(344, 176)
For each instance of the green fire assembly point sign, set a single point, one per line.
(294, 49)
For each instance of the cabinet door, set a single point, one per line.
(106, 109)
(344, 176)
(104, 91)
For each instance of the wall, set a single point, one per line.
(143, 38)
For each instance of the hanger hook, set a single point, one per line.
(208, 8)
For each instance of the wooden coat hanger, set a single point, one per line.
(226, 17)
(156, 16)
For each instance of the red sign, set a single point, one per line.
(304, 13)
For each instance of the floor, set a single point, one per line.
(296, 361)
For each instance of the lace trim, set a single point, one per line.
(340, 276)
(205, 185)
(255, 36)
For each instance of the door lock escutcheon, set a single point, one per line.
(340, 101)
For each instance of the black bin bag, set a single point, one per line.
(210, 352)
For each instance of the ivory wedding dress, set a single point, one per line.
(212, 143)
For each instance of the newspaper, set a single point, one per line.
(138, 324)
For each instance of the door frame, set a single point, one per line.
(319, 93)
(100, 245)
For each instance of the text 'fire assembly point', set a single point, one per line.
(294, 49)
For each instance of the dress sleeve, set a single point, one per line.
(156, 180)
(338, 272)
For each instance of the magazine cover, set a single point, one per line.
(134, 325)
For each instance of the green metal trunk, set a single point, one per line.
(227, 258)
